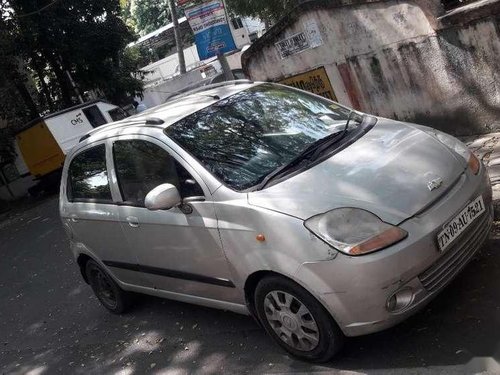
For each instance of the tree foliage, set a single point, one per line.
(85, 38)
(268, 11)
(146, 15)
(150, 15)
(16, 104)
(45, 42)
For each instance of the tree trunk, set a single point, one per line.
(27, 99)
(66, 68)
(66, 95)
(43, 84)
(177, 35)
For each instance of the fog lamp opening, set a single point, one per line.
(400, 300)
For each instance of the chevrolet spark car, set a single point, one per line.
(319, 221)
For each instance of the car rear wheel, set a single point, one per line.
(111, 296)
(296, 320)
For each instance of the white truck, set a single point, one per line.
(44, 142)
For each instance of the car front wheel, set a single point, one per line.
(296, 320)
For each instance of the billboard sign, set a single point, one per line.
(212, 33)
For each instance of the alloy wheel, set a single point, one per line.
(291, 320)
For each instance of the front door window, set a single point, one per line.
(141, 166)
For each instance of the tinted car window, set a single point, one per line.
(141, 166)
(245, 137)
(117, 114)
(88, 177)
(94, 116)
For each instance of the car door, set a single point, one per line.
(178, 249)
(90, 213)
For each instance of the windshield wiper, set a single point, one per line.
(311, 153)
(332, 140)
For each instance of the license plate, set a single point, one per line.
(460, 223)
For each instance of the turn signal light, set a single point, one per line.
(474, 164)
(384, 239)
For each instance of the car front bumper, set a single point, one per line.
(356, 289)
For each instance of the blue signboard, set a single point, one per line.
(212, 33)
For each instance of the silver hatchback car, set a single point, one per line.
(319, 221)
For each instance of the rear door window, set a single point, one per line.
(141, 166)
(88, 177)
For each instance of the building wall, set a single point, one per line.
(395, 59)
(168, 67)
(240, 33)
(158, 93)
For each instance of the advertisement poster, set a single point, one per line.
(315, 81)
(310, 38)
(293, 45)
(212, 33)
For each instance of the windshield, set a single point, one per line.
(247, 136)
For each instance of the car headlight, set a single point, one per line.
(454, 144)
(354, 231)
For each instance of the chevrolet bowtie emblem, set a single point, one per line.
(435, 184)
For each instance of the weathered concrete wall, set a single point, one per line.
(395, 59)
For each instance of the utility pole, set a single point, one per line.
(177, 35)
(226, 69)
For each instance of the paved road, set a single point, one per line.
(50, 323)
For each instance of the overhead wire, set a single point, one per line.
(38, 10)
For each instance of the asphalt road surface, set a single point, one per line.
(50, 322)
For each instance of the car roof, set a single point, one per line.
(172, 111)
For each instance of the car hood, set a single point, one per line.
(387, 172)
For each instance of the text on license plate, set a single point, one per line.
(460, 223)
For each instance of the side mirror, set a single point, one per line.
(163, 197)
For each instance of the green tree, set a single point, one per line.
(126, 13)
(85, 38)
(150, 15)
(16, 103)
(146, 16)
(268, 11)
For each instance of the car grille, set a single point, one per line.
(450, 264)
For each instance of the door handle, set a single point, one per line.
(74, 218)
(133, 221)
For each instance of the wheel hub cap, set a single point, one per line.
(291, 320)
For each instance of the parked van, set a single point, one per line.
(44, 142)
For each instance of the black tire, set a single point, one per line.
(328, 339)
(111, 296)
